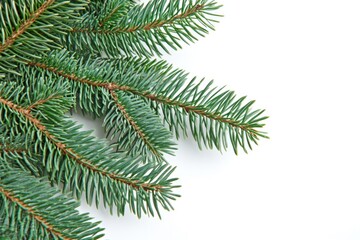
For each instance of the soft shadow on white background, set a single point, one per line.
(300, 60)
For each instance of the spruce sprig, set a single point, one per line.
(145, 30)
(22, 196)
(60, 56)
(74, 159)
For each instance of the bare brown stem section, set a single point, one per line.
(25, 25)
(9, 195)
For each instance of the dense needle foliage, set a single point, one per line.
(102, 58)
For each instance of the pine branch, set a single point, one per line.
(124, 115)
(23, 160)
(74, 153)
(40, 102)
(211, 113)
(128, 112)
(30, 28)
(25, 25)
(110, 12)
(17, 152)
(52, 62)
(6, 147)
(24, 195)
(146, 30)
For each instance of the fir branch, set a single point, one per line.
(216, 110)
(21, 158)
(17, 152)
(41, 83)
(10, 144)
(146, 27)
(25, 25)
(134, 124)
(43, 101)
(211, 112)
(31, 28)
(26, 113)
(101, 171)
(70, 152)
(10, 196)
(111, 11)
(119, 118)
(146, 30)
(109, 16)
(22, 194)
(11, 149)
(160, 23)
(111, 86)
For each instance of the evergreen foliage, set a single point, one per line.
(98, 57)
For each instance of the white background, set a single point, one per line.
(300, 60)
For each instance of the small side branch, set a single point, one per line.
(109, 16)
(9, 149)
(110, 86)
(74, 155)
(42, 221)
(42, 101)
(145, 27)
(133, 123)
(25, 25)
